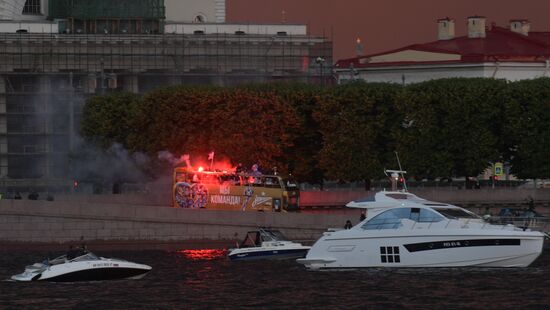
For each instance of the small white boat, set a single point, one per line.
(404, 230)
(267, 244)
(85, 266)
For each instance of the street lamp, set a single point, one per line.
(320, 61)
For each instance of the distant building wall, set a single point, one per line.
(11, 9)
(28, 26)
(245, 29)
(55, 222)
(420, 73)
(212, 11)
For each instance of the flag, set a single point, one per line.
(211, 155)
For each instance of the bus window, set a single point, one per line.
(290, 184)
(236, 180)
(181, 177)
(231, 179)
(272, 182)
(254, 181)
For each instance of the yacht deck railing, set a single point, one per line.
(538, 224)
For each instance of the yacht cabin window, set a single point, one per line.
(391, 219)
(456, 213)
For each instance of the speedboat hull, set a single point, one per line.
(446, 249)
(267, 253)
(94, 270)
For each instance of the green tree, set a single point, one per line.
(307, 141)
(528, 116)
(175, 119)
(109, 119)
(451, 127)
(356, 121)
(253, 127)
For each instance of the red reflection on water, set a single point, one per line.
(203, 254)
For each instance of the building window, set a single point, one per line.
(32, 7)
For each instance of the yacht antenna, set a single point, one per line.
(401, 171)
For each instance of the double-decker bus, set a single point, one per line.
(220, 190)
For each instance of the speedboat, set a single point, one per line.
(404, 230)
(267, 244)
(84, 267)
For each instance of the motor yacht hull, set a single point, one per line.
(267, 253)
(94, 270)
(358, 249)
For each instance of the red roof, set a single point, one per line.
(500, 44)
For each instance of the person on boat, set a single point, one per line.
(72, 253)
(348, 224)
(363, 216)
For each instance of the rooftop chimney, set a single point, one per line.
(445, 29)
(476, 27)
(521, 26)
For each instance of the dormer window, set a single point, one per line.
(200, 18)
(32, 7)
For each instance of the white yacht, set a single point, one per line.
(84, 266)
(404, 230)
(267, 244)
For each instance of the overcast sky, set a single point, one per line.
(385, 24)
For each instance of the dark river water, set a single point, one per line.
(206, 279)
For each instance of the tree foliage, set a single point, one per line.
(356, 121)
(109, 119)
(441, 128)
(450, 126)
(307, 141)
(527, 119)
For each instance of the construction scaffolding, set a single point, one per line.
(107, 16)
(45, 79)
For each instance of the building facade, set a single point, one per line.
(51, 61)
(512, 53)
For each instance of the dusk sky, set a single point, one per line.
(385, 25)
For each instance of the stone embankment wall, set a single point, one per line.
(63, 222)
(466, 198)
(499, 197)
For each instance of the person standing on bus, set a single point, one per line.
(239, 168)
(255, 171)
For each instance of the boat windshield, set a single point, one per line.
(272, 235)
(456, 213)
(87, 256)
(391, 219)
(252, 239)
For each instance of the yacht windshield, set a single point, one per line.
(456, 213)
(404, 196)
(87, 256)
(391, 219)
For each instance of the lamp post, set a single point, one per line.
(320, 61)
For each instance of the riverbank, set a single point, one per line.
(116, 245)
(61, 222)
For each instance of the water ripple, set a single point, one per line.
(206, 279)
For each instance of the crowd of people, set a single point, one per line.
(32, 195)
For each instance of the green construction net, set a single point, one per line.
(106, 9)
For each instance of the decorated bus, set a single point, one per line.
(222, 190)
